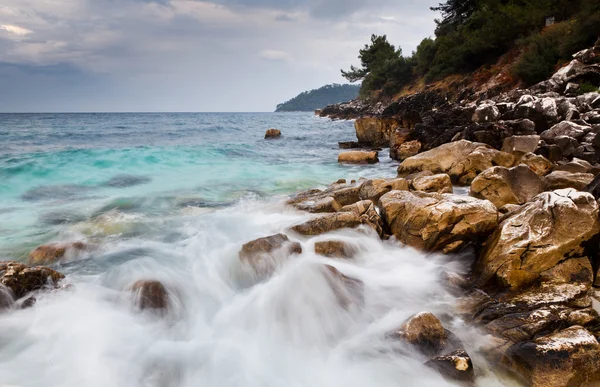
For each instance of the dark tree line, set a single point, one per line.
(319, 98)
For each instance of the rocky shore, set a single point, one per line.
(530, 224)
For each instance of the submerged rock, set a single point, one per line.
(272, 134)
(334, 249)
(437, 222)
(341, 220)
(425, 332)
(462, 160)
(48, 254)
(503, 186)
(456, 366)
(150, 295)
(22, 279)
(358, 157)
(263, 255)
(348, 291)
(6, 298)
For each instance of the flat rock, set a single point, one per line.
(358, 157)
(562, 179)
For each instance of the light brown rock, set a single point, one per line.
(334, 249)
(520, 145)
(562, 179)
(52, 253)
(536, 238)
(358, 157)
(263, 255)
(331, 222)
(409, 149)
(455, 366)
(399, 137)
(150, 295)
(440, 183)
(22, 279)
(462, 160)
(503, 186)
(375, 131)
(376, 188)
(538, 163)
(437, 222)
(425, 332)
(272, 134)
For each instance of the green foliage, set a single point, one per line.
(319, 98)
(587, 88)
(372, 56)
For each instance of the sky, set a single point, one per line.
(188, 55)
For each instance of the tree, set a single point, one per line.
(372, 57)
(455, 12)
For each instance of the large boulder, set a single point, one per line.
(150, 295)
(562, 179)
(570, 357)
(331, 222)
(565, 128)
(425, 332)
(22, 279)
(503, 186)
(538, 163)
(553, 227)
(263, 255)
(375, 131)
(462, 160)
(437, 222)
(440, 183)
(52, 253)
(358, 157)
(520, 145)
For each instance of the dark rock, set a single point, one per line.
(349, 145)
(455, 366)
(334, 249)
(150, 295)
(49, 254)
(263, 255)
(22, 279)
(562, 179)
(272, 134)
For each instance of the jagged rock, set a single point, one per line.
(340, 220)
(272, 133)
(49, 254)
(572, 89)
(503, 186)
(359, 208)
(486, 112)
(263, 255)
(376, 188)
(358, 157)
(424, 332)
(408, 149)
(440, 183)
(375, 131)
(520, 145)
(567, 145)
(398, 138)
(437, 222)
(462, 160)
(150, 295)
(329, 200)
(22, 279)
(565, 128)
(455, 366)
(570, 357)
(334, 249)
(562, 179)
(538, 164)
(538, 237)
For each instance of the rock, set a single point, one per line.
(538, 237)
(6, 298)
(561, 179)
(486, 112)
(503, 186)
(594, 187)
(398, 138)
(150, 295)
(572, 89)
(272, 133)
(437, 222)
(567, 145)
(567, 358)
(334, 249)
(462, 160)
(424, 332)
(455, 366)
(538, 164)
(329, 200)
(408, 149)
(574, 270)
(348, 291)
(565, 128)
(376, 188)
(358, 157)
(359, 208)
(575, 166)
(340, 220)
(22, 279)
(440, 183)
(550, 151)
(348, 145)
(327, 204)
(49, 254)
(263, 255)
(520, 145)
(375, 131)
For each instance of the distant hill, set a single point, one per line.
(316, 99)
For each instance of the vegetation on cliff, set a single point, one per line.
(319, 98)
(476, 33)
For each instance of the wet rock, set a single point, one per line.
(408, 149)
(425, 332)
(399, 138)
(6, 298)
(272, 134)
(565, 128)
(520, 145)
(321, 205)
(150, 295)
(440, 183)
(455, 366)
(462, 160)
(437, 222)
(22, 279)
(538, 237)
(562, 179)
(376, 188)
(358, 157)
(49, 254)
(567, 358)
(538, 164)
(334, 249)
(503, 186)
(329, 200)
(348, 291)
(574, 270)
(375, 131)
(340, 220)
(263, 255)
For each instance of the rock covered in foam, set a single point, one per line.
(22, 279)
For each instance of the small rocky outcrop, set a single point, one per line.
(408, 149)
(263, 255)
(437, 222)
(565, 129)
(542, 234)
(563, 179)
(22, 279)
(358, 157)
(150, 295)
(335, 249)
(570, 357)
(375, 131)
(461, 160)
(52, 253)
(503, 186)
(397, 140)
(331, 222)
(331, 199)
(272, 134)
(376, 188)
(440, 183)
(454, 366)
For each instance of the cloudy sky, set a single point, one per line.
(188, 55)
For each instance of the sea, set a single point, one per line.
(173, 197)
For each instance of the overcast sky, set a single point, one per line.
(188, 55)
